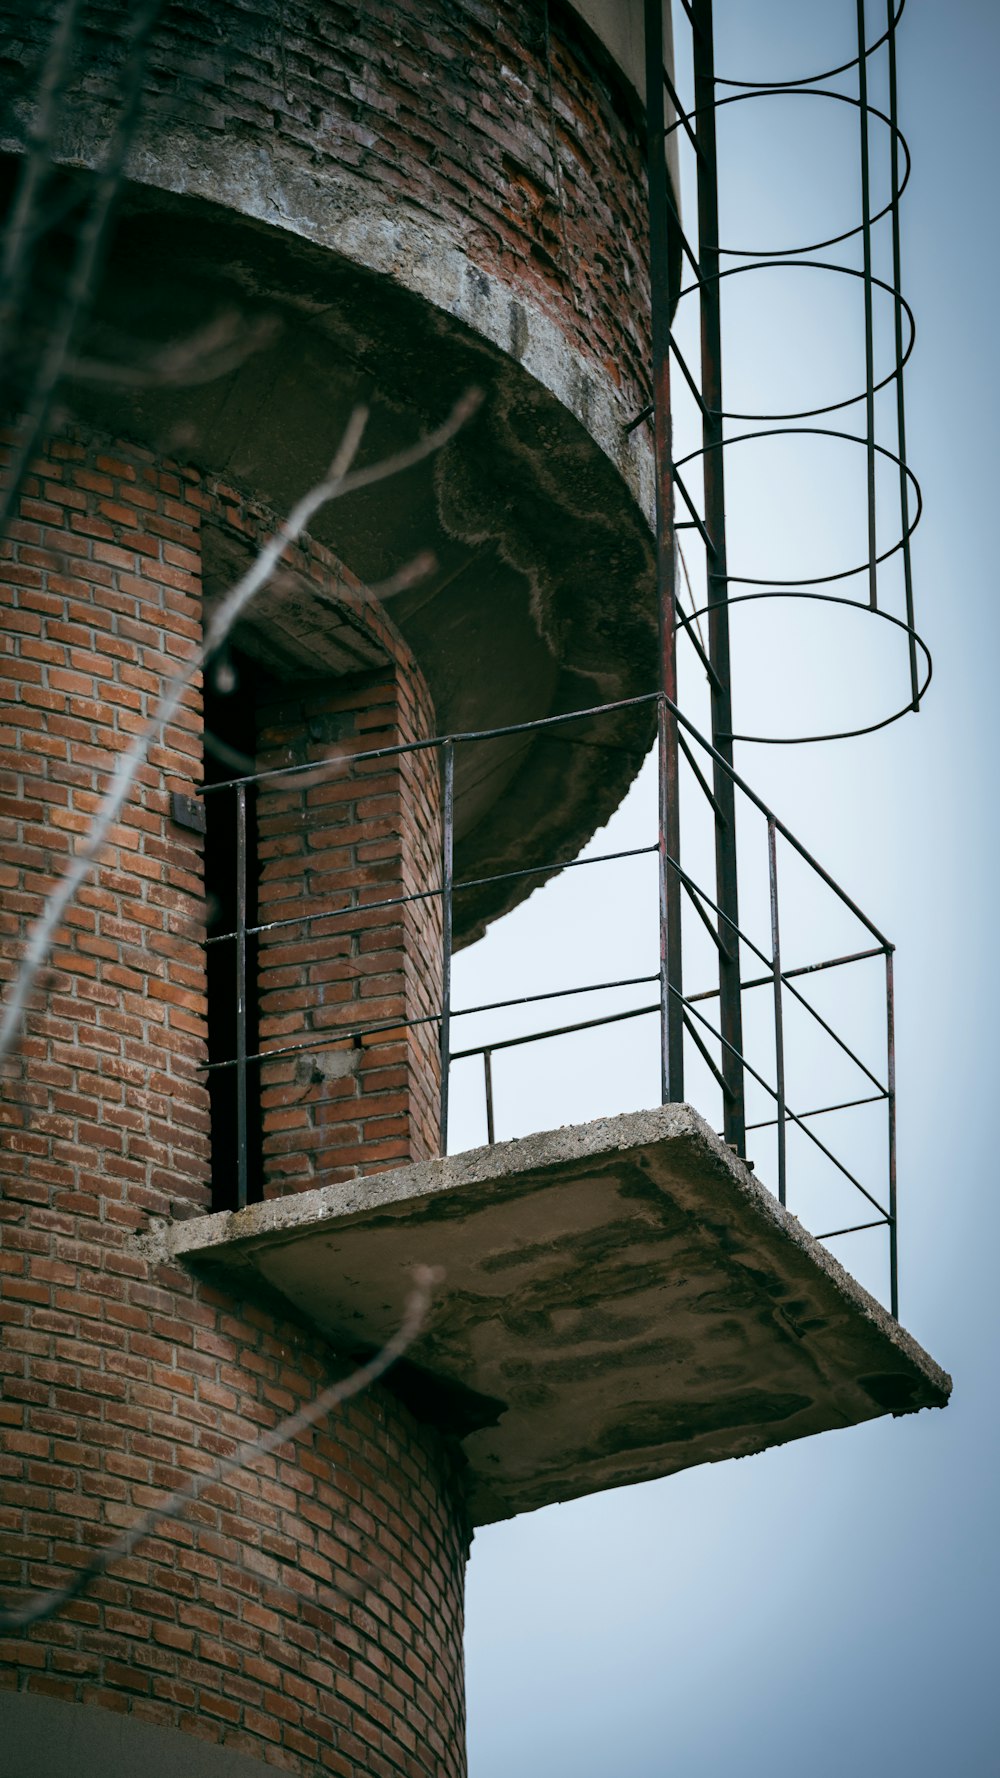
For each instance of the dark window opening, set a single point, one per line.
(230, 704)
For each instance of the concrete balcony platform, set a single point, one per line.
(622, 1299)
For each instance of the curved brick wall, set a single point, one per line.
(308, 1614)
(510, 137)
(413, 199)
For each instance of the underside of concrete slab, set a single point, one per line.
(621, 1299)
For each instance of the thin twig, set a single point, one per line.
(23, 224)
(213, 351)
(86, 265)
(45, 1605)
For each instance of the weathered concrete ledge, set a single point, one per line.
(622, 1299)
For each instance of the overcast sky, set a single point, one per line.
(829, 1607)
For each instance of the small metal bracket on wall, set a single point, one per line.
(187, 811)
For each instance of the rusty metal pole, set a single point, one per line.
(662, 284)
(734, 1113)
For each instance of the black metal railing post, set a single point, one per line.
(242, 1134)
(890, 1022)
(662, 285)
(779, 1030)
(897, 283)
(866, 239)
(447, 896)
(488, 1086)
(730, 1003)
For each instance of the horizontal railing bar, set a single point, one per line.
(322, 1040)
(767, 981)
(360, 907)
(534, 870)
(349, 1033)
(486, 734)
(768, 1123)
(574, 716)
(393, 901)
(631, 981)
(693, 891)
(508, 1043)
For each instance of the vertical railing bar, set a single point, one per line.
(662, 249)
(671, 1005)
(488, 1083)
(447, 881)
(904, 485)
(890, 1022)
(866, 235)
(713, 440)
(242, 1134)
(779, 1033)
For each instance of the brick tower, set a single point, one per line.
(223, 1122)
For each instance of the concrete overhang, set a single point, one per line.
(542, 595)
(622, 1299)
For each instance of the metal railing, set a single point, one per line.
(758, 966)
(687, 260)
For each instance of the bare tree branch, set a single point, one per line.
(213, 351)
(406, 577)
(45, 1605)
(90, 245)
(23, 224)
(338, 482)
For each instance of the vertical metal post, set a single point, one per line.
(662, 283)
(866, 238)
(671, 1003)
(447, 881)
(727, 895)
(890, 1021)
(779, 1029)
(488, 1083)
(242, 1159)
(897, 283)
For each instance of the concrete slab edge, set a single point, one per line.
(284, 1219)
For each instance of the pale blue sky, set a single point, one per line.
(829, 1607)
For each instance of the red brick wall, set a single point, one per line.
(310, 1611)
(101, 593)
(361, 833)
(339, 840)
(442, 103)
